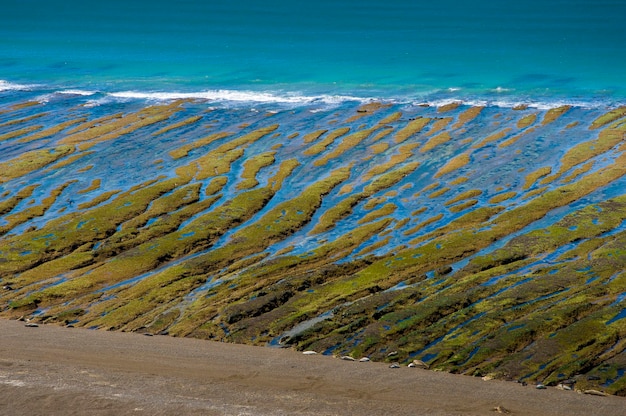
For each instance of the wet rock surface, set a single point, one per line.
(476, 239)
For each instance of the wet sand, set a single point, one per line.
(69, 371)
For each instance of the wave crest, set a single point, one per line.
(11, 86)
(236, 96)
(499, 97)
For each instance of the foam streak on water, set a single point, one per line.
(233, 97)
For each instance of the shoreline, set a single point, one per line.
(296, 95)
(80, 371)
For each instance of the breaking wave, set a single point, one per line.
(499, 97)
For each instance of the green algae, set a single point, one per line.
(492, 138)
(557, 235)
(31, 161)
(554, 113)
(313, 136)
(94, 123)
(438, 193)
(217, 163)
(463, 206)
(582, 152)
(391, 118)
(166, 204)
(412, 128)
(136, 232)
(472, 193)
(95, 184)
(448, 107)
(51, 131)
(438, 125)
(609, 117)
(20, 132)
(66, 161)
(427, 188)
(577, 172)
(391, 178)
(99, 199)
(526, 121)
(366, 110)
(31, 212)
(423, 224)
(344, 207)
(8, 204)
(404, 153)
(112, 128)
(417, 326)
(143, 255)
(507, 313)
(23, 119)
(252, 166)
(374, 202)
(281, 221)
(329, 139)
(25, 104)
(347, 143)
(512, 140)
(93, 225)
(455, 163)
(533, 177)
(337, 212)
(536, 191)
(381, 134)
(383, 211)
(260, 277)
(85, 169)
(379, 147)
(183, 151)
(436, 141)
(502, 197)
(174, 126)
(459, 180)
(467, 116)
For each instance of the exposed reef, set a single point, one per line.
(479, 240)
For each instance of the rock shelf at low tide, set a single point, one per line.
(480, 240)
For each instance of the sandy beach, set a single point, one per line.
(54, 370)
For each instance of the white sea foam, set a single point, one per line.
(236, 96)
(439, 102)
(98, 101)
(546, 104)
(11, 86)
(85, 93)
(517, 102)
(495, 97)
(45, 98)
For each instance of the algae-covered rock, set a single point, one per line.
(483, 242)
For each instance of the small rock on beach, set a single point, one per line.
(501, 409)
(595, 393)
(419, 364)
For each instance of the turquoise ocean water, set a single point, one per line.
(542, 51)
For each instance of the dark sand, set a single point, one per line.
(50, 370)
